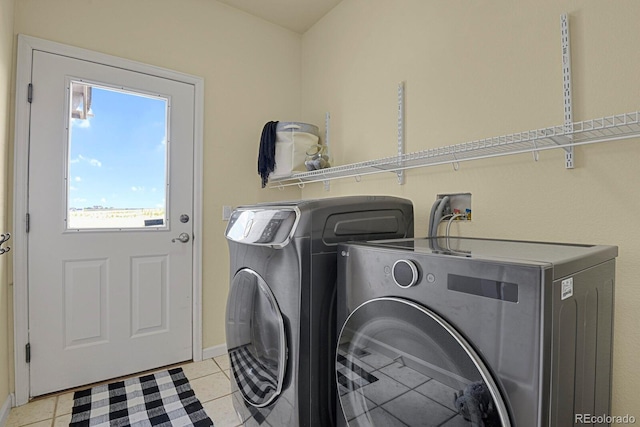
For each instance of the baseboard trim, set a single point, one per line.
(5, 410)
(215, 351)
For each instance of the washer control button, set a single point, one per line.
(405, 273)
(431, 278)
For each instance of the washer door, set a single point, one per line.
(255, 338)
(400, 364)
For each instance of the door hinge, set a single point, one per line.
(30, 93)
(28, 222)
(27, 351)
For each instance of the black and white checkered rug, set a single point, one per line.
(160, 399)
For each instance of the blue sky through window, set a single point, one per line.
(117, 156)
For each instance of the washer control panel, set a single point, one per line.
(405, 273)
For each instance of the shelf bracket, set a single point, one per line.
(566, 85)
(327, 120)
(401, 147)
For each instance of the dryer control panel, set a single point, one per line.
(268, 227)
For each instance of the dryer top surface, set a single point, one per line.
(355, 203)
(326, 221)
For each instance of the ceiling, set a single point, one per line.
(296, 15)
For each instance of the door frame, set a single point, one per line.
(26, 46)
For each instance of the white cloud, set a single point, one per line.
(92, 162)
(103, 200)
(72, 188)
(82, 124)
(77, 179)
(162, 147)
(137, 188)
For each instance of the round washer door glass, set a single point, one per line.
(400, 364)
(255, 338)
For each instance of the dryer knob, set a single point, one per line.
(405, 273)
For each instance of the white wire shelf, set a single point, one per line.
(605, 129)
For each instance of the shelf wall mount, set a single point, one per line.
(401, 145)
(327, 122)
(566, 86)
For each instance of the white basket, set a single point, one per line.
(292, 142)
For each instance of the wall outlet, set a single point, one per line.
(226, 213)
(459, 203)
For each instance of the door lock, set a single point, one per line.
(183, 237)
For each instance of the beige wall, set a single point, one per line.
(476, 69)
(6, 68)
(252, 75)
(472, 70)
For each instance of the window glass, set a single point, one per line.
(117, 159)
(398, 364)
(255, 339)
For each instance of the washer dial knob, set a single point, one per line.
(405, 273)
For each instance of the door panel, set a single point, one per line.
(85, 299)
(149, 295)
(109, 292)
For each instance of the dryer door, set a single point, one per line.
(399, 363)
(255, 338)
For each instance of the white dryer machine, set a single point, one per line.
(479, 332)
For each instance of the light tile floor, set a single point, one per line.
(209, 380)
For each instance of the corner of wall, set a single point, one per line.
(7, 72)
(5, 409)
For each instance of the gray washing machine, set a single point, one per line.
(280, 320)
(460, 331)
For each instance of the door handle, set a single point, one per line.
(183, 237)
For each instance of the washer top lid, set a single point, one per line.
(573, 256)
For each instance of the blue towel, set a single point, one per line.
(267, 153)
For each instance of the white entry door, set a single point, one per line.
(110, 222)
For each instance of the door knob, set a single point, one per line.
(183, 237)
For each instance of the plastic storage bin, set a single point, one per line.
(293, 139)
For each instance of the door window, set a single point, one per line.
(399, 364)
(255, 338)
(117, 158)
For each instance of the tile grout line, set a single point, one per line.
(55, 410)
